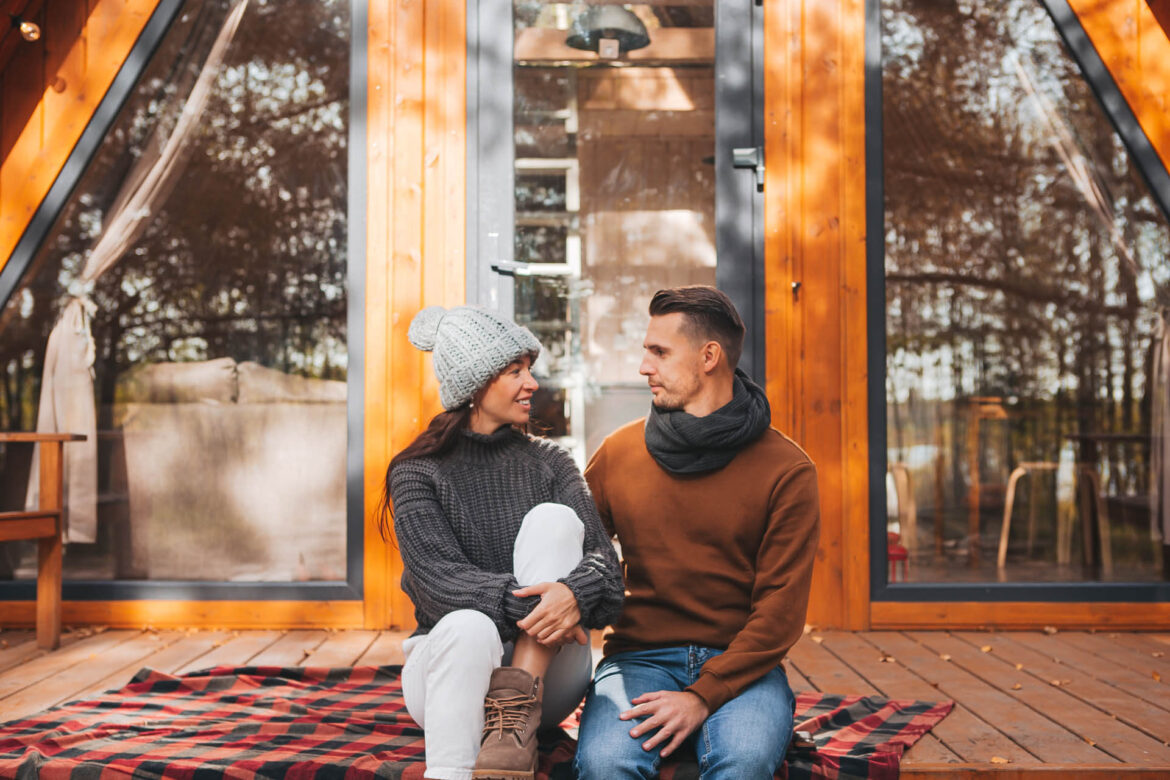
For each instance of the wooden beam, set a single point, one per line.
(895, 615)
(37, 143)
(1133, 40)
(415, 243)
(814, 223)
(194, 614)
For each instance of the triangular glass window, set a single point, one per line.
(202, 260)
(1027, 286)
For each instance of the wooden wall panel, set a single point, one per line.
(814, 85)
(415, 241)
(49, 91)
(1133, 39)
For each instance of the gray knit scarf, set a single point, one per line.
(684, 444)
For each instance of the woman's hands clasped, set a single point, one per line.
(556, 620)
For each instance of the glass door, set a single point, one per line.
(602, 169)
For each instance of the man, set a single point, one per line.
(717, 516)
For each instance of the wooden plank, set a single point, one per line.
(967, 737)
(237, 650)
(851, 52)
(20, 677)
(27, 525)
(832, 675)
(291, 649)
(1089, 723)
(50, 552)
(1044, 739)
(826, 671)
(18, 647)
(1042, 772)
(1121, 677)
(1044, 668)
(195, 614)
(796, 679)
(68, 681)
(386, 650)
(1117, 648)
(861, 657)
(185, 649)
(1135, 47)
(343, 648)
(378, 553)
(36, 145)
(1008, 615)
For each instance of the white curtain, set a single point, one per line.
(67, 397)
(1160, 430)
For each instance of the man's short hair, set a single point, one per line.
(710, 316)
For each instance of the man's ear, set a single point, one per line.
(712, 354)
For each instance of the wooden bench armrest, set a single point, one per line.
(27, 436)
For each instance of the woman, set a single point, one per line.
(504, 555)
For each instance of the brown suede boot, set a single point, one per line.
(511, 717)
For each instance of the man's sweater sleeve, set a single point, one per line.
(443, 579)
(780, 594)
(596, 581)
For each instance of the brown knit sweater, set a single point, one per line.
(720, 559)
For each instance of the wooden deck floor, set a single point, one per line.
(1066, 705)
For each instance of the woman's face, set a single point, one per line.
(507, 399)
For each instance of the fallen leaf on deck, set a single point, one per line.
(1157, 677)
(999, 760)
(1049, 630)
(1157, 654)
(887, 659)
(1055, 682)
(1019, 667)
(1016, 687)
(985, 649)
(1091, 742)
(945, 657)
(818, 639)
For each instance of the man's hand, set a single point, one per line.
(553, 621)
(676, 714)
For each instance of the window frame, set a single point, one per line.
(1155, 174)
(46, 215)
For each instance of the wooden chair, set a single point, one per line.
(44, 525)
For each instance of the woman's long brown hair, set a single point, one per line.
(438, 438)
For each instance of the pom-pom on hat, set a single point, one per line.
(470, 345)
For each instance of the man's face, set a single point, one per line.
(671, 362)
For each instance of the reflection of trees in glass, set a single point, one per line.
(246, 257)
(1024, 254)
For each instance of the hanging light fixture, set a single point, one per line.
(30, 31)
(600, 23)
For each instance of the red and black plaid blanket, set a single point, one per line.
(351, 724)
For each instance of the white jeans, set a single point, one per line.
(447, 671)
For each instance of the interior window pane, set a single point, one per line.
(218, 319)
(614, 142)
(1027, 286)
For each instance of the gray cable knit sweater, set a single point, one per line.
(457, 517)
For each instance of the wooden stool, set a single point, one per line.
(44, 525)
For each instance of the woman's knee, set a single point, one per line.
(467, 632)
(548, 545)
(554, 523)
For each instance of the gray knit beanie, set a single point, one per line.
(470, 345)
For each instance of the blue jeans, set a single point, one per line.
(745, 739)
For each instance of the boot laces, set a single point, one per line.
(506, 713)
